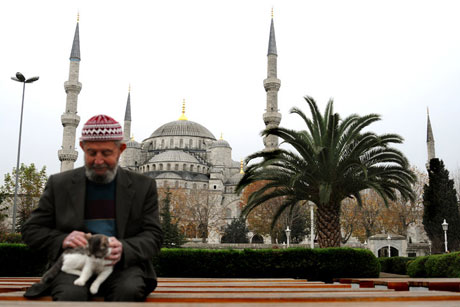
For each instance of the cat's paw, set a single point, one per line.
(93, 289)
(79, 282)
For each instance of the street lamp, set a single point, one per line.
(389, 245)
(445, 226)
(288, 235)
(19, 78)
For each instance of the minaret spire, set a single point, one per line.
(127, 124)
(429, 139)
(272, 117)
(70, 120)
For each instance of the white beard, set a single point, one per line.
(108, 177)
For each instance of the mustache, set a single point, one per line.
(99, 166)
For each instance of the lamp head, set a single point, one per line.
(20, 77)
(33, 79)
(445, 225)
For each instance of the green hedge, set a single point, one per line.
(395, 265)
(447, 265)
(317, 264)
(20, 260)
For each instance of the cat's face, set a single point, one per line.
(98, 246)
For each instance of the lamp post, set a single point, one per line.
(389, 245)
(312, 226)
(288, 235)
(19, 78)
(445, 226)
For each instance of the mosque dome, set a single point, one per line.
(183, 128)
(133, 144)
(174, 156)
(220, 143)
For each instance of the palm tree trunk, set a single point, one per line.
(328, 225)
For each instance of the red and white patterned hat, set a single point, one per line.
(101, 128)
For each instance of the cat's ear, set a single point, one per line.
(87, 236)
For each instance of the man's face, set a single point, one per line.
(101, 159)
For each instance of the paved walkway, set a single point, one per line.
(260, 292)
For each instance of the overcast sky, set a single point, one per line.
(394, 58)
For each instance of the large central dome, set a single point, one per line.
(183, 128)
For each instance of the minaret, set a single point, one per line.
(429, 140)
(127, 126)
(272, 117)
(68, 155)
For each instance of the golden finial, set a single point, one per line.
(183, 117)
(272, 12)
(221, 136)
(132, 137)
(129, 88)
(78, 17)
(241, 167)
(427, 111)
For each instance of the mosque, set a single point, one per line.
(180, 154)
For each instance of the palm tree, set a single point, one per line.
(333, 159)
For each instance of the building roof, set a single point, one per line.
(220, 143)
(174, 156)
(272, 40)
(183, 128)
(75, 53)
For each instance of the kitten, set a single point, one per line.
(83, 262)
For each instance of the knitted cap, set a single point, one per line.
(101, 128)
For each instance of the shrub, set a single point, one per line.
(395, 265)
(8, 237)
(447, 265)
(20, 260)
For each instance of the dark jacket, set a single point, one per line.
(61, 210)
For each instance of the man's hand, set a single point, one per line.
(117, 250)
(74, 239)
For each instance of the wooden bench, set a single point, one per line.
(254, 291)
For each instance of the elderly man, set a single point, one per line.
(100, 198)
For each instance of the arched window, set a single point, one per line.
(171, 143)
(154, 167)
(181, 143)
(184, 167)
(148, 168)
(162, 144)
(198, 169)
(168, 167)
(191, 168)
(161, 167)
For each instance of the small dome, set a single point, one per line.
(174, 156)
(234, 179)
(183, 128)
(220, 143)
(133, 144)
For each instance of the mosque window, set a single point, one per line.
(155, 144)
(198, 168)
(162, 143)
(190, 143)
(191, 168)
(176, 167)
(215, 187)
(148, 168)
(184, 167)
(161, 167)
(171, 143)
(181, 143)
(168, 167)
(154, 167)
